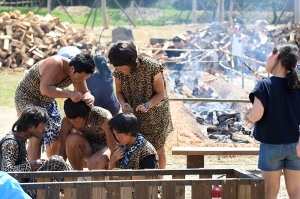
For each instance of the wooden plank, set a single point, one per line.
(180, 190)
(207, 187)
(126, 192)
(244, 191)
(199, 190)
(83, 190)
(168, 189)
(141, 189)
(98, 192)
(71, 192)
(52, 191)
(153, 190)
(6, 44)
(195, 161)
(113, 190)
(257, 189)
(214, 151)
(9, 29)
(40, 193)
(229, 189)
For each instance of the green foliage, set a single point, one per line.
(8, 86)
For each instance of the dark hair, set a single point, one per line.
(123, 53)
(102, 67)
(176, 39)
(74, 110)
(288, 56)
(125, 123)
(31, 116)
(83, 63)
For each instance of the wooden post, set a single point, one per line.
(194, 11)
(297, 12)
(104, 13)
(132, 11)
(230, 13)
(49, 2)
(217, 16)
(222, 11)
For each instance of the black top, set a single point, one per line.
(281, 118)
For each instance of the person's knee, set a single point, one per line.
(161, 151)
(98, 163)
(73, 141)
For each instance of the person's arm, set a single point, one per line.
(121, 98)
(165, 57)
(257, 111)
(159, 94)
(87, 96)
(51, 68)
(111, 141)
(10, 152)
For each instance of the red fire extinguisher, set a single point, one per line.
(216, 192)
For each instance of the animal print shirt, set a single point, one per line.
(28, 91)
(137, 156)
(92, 130)
(10, 152)
(138, 88)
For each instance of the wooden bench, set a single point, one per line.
(195, 155)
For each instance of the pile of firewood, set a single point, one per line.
(26, 39)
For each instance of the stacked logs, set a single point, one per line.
(28, 38)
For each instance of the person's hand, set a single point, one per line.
(76, 96)
(117, 155)
(89, 99)
(36, 164)
(126, 108)
(143, 108)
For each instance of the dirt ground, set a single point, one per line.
(186, 129)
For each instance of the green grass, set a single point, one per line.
(168, 15)
(8, 86)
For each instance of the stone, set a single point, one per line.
(122, 33)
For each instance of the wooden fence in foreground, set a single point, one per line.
(236, 184)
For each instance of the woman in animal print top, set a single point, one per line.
(133, 150)
(141, 89)
(46, 81)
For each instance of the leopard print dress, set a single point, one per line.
(138, 88)
(28, 94)
(92, 130)
(135, 158)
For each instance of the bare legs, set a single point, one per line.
(162, 159)
(66, 128)
(272, 183)
(78, 149)
(34, 149)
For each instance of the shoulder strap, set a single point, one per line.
(22, 148)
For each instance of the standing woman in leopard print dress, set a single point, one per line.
(141, 89)
(46, 81)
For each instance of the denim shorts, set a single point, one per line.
(274, 157)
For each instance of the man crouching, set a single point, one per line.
(92, 140)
